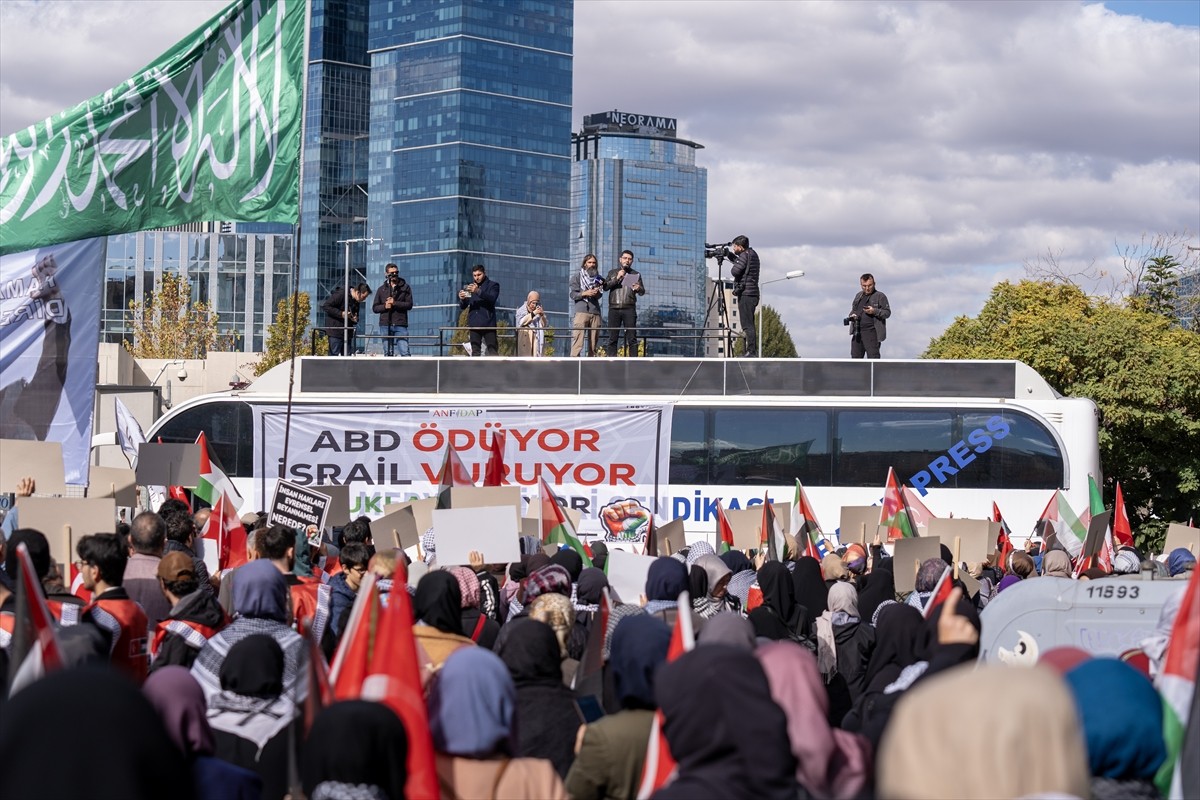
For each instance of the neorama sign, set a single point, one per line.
(617, 447)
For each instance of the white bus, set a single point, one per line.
(673, 435)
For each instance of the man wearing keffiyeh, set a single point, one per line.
(586, 286)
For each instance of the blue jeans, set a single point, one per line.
(397, 340)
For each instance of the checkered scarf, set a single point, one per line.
(551, 579)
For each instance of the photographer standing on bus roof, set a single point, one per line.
(392, 303)
(745, 289)
(622, 304)
(867, 320)
(480, 295)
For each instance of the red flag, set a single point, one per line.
(34, 648)
(894, 512)
(225, 530)
(1004, 544)
(917, 511)
(940, 592)
(724, 530)
(179, 493)
(493, 473)
(351, 662)
(1122, 532)
(320, 692)
(659, 764)
(394, 679)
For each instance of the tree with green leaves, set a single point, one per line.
(170, 324)
(278, 346)
(1139, 368)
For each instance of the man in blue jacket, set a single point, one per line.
(480, 297)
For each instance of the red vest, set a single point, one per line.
(193, 633)
(126, 624)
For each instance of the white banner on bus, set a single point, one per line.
(589, 455)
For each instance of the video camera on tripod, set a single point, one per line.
(719, 251)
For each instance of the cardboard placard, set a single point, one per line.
(42, 461)
(1178, 535)
(116, 482)
(746, 523)
(399, 528)
(1093, 543)
(968, 582)
(627, 574)
(298, 506)
(531, 527)
(338, 513)
(908, 555)
(975, 538)
(492, 530)
(66, 520)
(850, 528)
(168, 464)
(669, 536)
(994, 529)
(484, 496)
(422, 512)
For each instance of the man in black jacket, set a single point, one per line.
(868, 319)
(622, 304)
(745, 288)
(480, 296)
(341, 317)
(392, 303)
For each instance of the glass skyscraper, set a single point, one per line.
(635, 186)
(470, 131)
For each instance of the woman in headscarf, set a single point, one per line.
(479, 627)
(1033, 748)
(589, 589)
(665, 581)
(1057, 564)
(830, 763)
(180, 704)
(780, 616)
(900, 639)
(612, 750)
(810, 589)
(878, 586)
(730, 744)
(833, 570)
(928, 575)
(715, 576)
(356, 749)
(1122, 719)
(558, 612)
(842, 634)
(251, 714)
(569, 560)
(517, 600)
(130, 758)
(546, 717)
(472, 712)
(438, 611)
(728, 628)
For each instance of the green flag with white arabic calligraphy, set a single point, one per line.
(209, 131)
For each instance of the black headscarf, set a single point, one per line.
(530, 651)
(639, 646)
(899, 642)
(731, 744)
(736, 561)
(140, 762)
(811, 591)
(536, 562)
(666, 579)
(881, 586)
(254, 667)
(569, 560)
(438, 602)
(591, 583)
(599, 554)
(780, 616)
(357, 743)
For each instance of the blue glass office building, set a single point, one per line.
(635, 186)
(470, 132)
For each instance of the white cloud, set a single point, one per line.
(937, 145)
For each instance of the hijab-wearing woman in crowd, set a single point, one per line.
(779, 617)
(437, 607)
(665, 581)
(877, 587)
(900, 640)
(830, 763)
(558, 613)
(478, 627)
(251, 714)
(728, 737)
(472, 714)
(546, 718)
(588, 592)
(833, 570)
(844, 637)
(1057, 564)
(809, 587)
(612, 750)
(356, 749)
(1033, 747)
(1122, 720)
(729, 628)
(180, 704)
(707, 580)
(743, 576)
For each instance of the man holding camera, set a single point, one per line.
(623, 285)
(745, 289)
(341, 317)
(480, 296)
(531, 327)
(867, 319)
(392, 304)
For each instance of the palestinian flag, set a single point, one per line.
(34, 649)
(557, 528)
(1004, 544)
(1058, 518)
(453, 473)
(1122, 532)
(213, 480)
(895, 514)
(941, 591)
(724, 531)
(493, 473)
(1177, 685)
(226, 532)
(805, 527)
(773, 539)
(659, 764)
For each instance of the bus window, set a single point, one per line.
(871, 441)
(770, 446)
(226, 424)
(1027, 458)
(689, 447)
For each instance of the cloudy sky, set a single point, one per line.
(940, 146)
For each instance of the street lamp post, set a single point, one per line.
(796, 273)
(346, 290)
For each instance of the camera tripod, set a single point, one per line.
(717, 297)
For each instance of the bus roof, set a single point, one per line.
(674, 377)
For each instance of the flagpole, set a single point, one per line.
(287, 419)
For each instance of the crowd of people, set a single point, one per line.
(807, 679)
